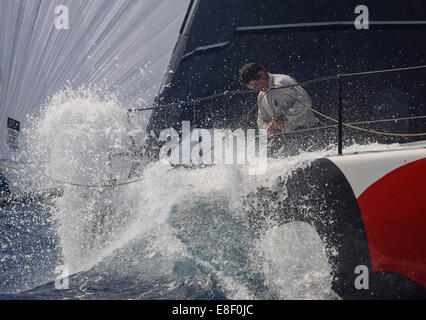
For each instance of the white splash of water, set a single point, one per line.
(73, 141)
(295, 263)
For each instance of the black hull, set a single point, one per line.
(321, 196)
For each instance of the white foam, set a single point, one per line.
(70, 142)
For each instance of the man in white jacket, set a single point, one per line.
(279, 110)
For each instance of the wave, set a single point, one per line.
(181, 234)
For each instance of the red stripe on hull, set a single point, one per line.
(394, 214)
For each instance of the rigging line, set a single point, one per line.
(355, 127)
(249, 112)
(233, 129)
(381, 71)
(100, 186)
(321, 79)
(77, 184)
(7, 165)
(230, 92)
(254, 107)
(353, 123)
(387, 120)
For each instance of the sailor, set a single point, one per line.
(279, 110)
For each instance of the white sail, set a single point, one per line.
(122, 46)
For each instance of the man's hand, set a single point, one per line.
(275, 126)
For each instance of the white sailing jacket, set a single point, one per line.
(276, 103)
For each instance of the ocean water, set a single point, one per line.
(180, 234)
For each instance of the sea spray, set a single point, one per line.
(71, 146)
(172, 234)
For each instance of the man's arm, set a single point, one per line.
(294, 103)
(265, 122)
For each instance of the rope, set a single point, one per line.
(301, 84)
(254, 107)
(250, 111)
(352, 126)
(381, 71)
(94, 186)
(77, 184)
(229, 92)
(281, 88)
(7, 165)
(361, 122)
(321, 114)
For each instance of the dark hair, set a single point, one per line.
(250, 71)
